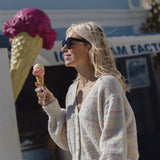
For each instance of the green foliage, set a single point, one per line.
(152, 25)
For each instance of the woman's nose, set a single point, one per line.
(64, 48)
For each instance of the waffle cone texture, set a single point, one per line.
(40, 80)
(24, 50)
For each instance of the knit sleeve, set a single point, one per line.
(113, 143)
(118, 139)
(57, 124)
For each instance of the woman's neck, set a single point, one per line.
(86, 74)
(86, 77)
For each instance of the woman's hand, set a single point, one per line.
(44, 96)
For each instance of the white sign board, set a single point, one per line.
(123, 46)
(126, 46)
(9, 138)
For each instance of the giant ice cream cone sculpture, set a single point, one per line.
(29, 31)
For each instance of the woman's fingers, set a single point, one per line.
(40, 90)
(42, 100)
(44, 95)
(36, 84)
(41, 95)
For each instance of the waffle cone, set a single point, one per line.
(24, 51)
(40, 80)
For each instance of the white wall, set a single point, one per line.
(108, 18)
(9, 138)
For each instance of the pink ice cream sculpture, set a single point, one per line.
(29, 31)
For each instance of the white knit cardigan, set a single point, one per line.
(104, 128)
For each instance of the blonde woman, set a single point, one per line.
(98, 122)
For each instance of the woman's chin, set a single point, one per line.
(68, 64)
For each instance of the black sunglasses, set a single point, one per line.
(68, 42)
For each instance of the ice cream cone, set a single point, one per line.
(24, 52)
(40, 80)
(28, 31)
(38, 72)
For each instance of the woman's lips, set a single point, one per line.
(67, 56)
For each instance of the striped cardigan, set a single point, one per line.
(104, 128)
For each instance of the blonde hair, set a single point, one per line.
(100, 54)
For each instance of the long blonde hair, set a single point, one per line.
(100, 54)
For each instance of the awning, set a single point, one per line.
(123, 46)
